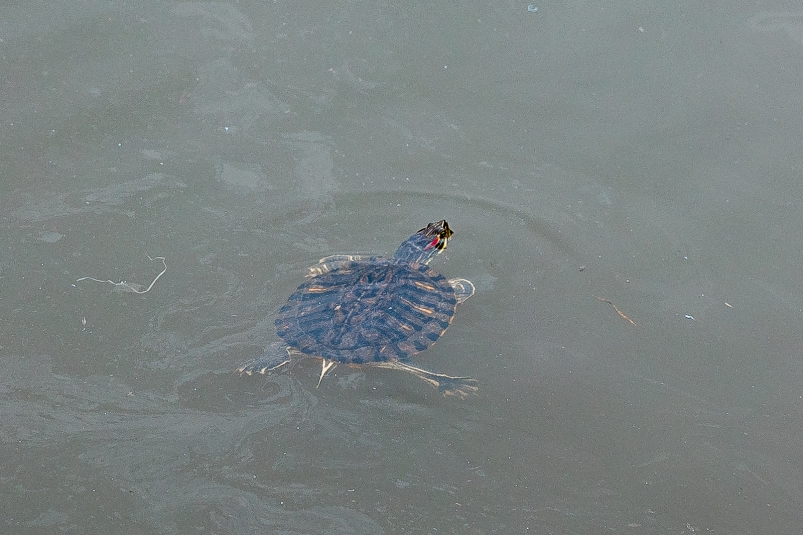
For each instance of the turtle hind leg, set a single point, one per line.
(261, 366)
(273, 358)
(447, 385)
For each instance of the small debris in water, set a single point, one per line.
(633, 323)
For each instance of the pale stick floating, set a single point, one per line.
(124, 286)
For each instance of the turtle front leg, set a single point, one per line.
(463, 289)
(333, 262)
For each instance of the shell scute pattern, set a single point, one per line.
(368, 311)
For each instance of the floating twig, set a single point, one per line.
(617, 310)
(124, 286)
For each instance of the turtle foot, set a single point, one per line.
(460, 387)
(273, 358)
(447, 385)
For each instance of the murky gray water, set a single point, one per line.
(624, 186)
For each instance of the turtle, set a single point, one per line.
(373, 311)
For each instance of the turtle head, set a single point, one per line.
(422, 246)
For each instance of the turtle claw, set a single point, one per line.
(325, 367)
(461, 387)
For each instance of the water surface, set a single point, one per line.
(624, 186)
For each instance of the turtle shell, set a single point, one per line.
(374, 310)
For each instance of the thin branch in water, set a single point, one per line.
(617, 310)
(130, 287)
